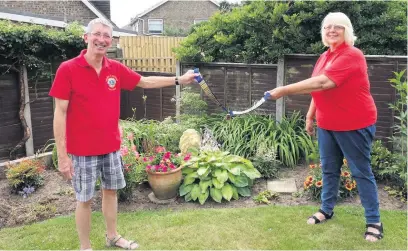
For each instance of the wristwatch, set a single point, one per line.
(176, 81)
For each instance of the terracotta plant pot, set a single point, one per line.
(165, 185)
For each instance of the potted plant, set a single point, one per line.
(164, 172)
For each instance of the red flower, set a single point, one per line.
(167, 155)
(187, 157)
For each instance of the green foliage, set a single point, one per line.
(25, 176)
(36, 45)
(400, 110)
(217, 175)
(265, 197)
(265, 161)
(191, 103)
(262, 31)
(55, 157)
(242, 136)
(174, 32)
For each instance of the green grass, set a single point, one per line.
(268, 227)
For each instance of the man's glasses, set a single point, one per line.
(99, 35)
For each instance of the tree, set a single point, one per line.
(262, 31)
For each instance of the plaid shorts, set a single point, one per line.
(87, 170)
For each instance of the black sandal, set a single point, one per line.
(326, 217)
(379, 228)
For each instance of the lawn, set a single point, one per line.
(265, 227)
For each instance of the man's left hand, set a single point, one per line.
(187, 78)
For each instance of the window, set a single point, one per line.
(199, 20)
(155, 26)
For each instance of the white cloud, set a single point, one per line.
(123, 10)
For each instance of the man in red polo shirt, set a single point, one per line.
(87, 107)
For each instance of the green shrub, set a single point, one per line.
(26, 176)
(242, 135)
(217, 175)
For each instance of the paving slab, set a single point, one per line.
(282, 185)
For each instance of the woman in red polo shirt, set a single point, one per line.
(346, 115)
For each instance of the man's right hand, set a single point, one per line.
(310, 127)
(65, 167)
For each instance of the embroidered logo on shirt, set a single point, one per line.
(111, 81)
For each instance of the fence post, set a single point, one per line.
(280, 81)
(29, 145)
(178, 92)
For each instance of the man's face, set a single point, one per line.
(99, 39)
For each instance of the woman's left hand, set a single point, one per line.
(277, 93)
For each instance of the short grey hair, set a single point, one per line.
(98, 21)
(339, 18)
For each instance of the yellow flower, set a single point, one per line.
(345, 174)
(349, 186)
(319, 183)
(309, 178)
(354, 184)
(344, 161)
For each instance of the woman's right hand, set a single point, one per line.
(310, 127)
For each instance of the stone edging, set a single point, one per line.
(47, 157)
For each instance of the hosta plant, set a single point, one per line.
(217, 175)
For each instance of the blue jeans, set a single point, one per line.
(355, 146)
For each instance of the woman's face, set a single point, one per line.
(334, 34)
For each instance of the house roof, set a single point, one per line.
(158, 5)
(97, 11)
(17, 16)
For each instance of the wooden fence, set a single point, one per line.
(149, 53)
(237, 86)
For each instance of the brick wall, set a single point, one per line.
(69, 10)
(180, 14)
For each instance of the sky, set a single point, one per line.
(123, 10)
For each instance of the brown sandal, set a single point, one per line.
(112, 243)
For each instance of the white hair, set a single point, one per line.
(98, 21)
(339, 18)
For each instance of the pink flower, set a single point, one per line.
(160, 149)
(149, 167)
(151, 158)
(136, 154)
(124, 151)
(144, 159)
(164, 169)
(134, 148)
(130, 136)
(167, 155)
(172, 166)
(187, 157)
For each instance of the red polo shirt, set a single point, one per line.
(348, 106)
(94, 103)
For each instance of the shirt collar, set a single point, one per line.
(80, 60)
